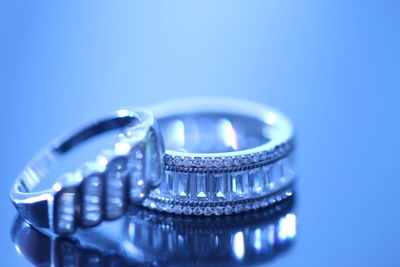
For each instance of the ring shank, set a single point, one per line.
(267, 116)
(36, 207)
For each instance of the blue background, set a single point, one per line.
(332, 66)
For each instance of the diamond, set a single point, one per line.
(187, 210)
(197, 162)
(207, 162)
(167, 185)
(218, 162)
(146, 203)
(187, 162)
(162, 206)
(256, 176)
(274, 175)
(247, 207)
(65, 211)
(228, 210)
(287, 171)
(208, 211)
(178, 161)
(222, 185)
(276, 153)
(152, 205)
(138, 154)
(92, 197)
(67, 253)
(264, 156)
(218, 210)
(242, 183)
(200, 185)
(197, 211)
(228, 162)
(153, 159)
(177, 209)
(168, 159)
(238, 208)
(238, 161)
(136, 195)
(255, 206)
(271, 201)
(137, 174)
(247, 159)
(169, 208)
(255, 158)
(115, 189)
(180, 184)
(264, 203)
(269, 155)
(235, 177)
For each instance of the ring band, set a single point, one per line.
(222, 156)
(99, 189)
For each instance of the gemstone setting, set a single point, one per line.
(225, 193)
(227, 164)
(102, 189)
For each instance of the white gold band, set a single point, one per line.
(100, 189)
(222, 156)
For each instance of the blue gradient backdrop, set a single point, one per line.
(332, 66)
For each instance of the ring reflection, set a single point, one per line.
(146, 238)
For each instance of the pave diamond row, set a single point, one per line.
(102, 189)
(205, 241)
(207, 223)
(223, 208)
(162, 239)
(227, 164)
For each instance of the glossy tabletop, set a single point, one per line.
(331, 66)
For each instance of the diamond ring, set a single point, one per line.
(222, 156)
(100, 189)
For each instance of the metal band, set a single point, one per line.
(100, 189)
(222, 156)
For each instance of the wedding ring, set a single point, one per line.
(222, 156)
(100, 189)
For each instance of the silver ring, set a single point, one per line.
(222, 156)
(99, 190)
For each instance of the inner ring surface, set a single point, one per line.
(32, 177)
(214, 132)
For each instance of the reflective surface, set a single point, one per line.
(145, 238)
(212, 133)
(332, 66)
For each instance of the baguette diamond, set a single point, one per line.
(115, 198)
(221, 193)
(92, 200)
(100, 189)
(65, 214)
